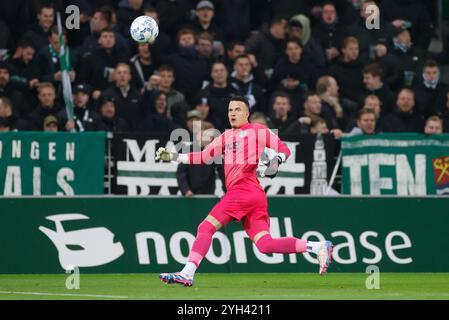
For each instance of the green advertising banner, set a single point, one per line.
(51, 163)
(395, 164)
(147, 235)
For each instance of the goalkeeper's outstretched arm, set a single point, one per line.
(214, 149)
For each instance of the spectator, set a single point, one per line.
(406, 57)
(313, 108)
(403, 118)
(370, 40)
(21, 64)
(103, 19)
(434, 125)
(199, 178)
(20, 107)
(233, 50)
(218, 94)
(127, 98)
(47, 106)
(411, 15)
(97, 69)
(348, 70)
(242, 80)
(39, 33)
(234, 29)
(329, 32)
(292, 74)
(366, 122)
(267, 44)
(202, 106)
(281, 117)
(46, 64)
(205, 48)
(429, 91)
(142, 66)
(50, 124)
(204, 22)
(154, 115)
(163, 82)
(372, 78)
(84, 119)
(299, 28)
(163, 45)
(332, 105)
(110, 122)
(190, 70)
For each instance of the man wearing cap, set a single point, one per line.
(204, 22)
(109, 120)
(84, 119)
(50, 124)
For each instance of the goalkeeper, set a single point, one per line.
(245, 200)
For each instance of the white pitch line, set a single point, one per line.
(64, 294)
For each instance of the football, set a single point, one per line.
(144, 29)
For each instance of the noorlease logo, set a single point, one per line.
(82, 248)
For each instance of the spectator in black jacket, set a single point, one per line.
(233, 50)
(372, 78)
(163, 45)
(404, 118)
(313, 55)
(47, 106)
(190, 70)
(430, 93)
(411, 15)
(199, 178)
(110, 122)
(242, 80)
(40, 32)
(102, 19)
(204, 22)
(407, 58)
(281, 116)
(369, 39)
(348, 70)
(21, 65)
(142, 66)
(217, 95)
(97, 69)
(84, 118)
(154, 114)
(292, 74)
(267, 44)
(20, 107)
(127, 98)
(330, 32)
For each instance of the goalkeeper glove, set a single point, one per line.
(272, 167)
(165, 155)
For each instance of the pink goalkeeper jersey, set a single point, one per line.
(241, 150)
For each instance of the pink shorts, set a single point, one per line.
(245, 203)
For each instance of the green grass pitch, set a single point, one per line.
(234, 286)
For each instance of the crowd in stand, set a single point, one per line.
(306, 66)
